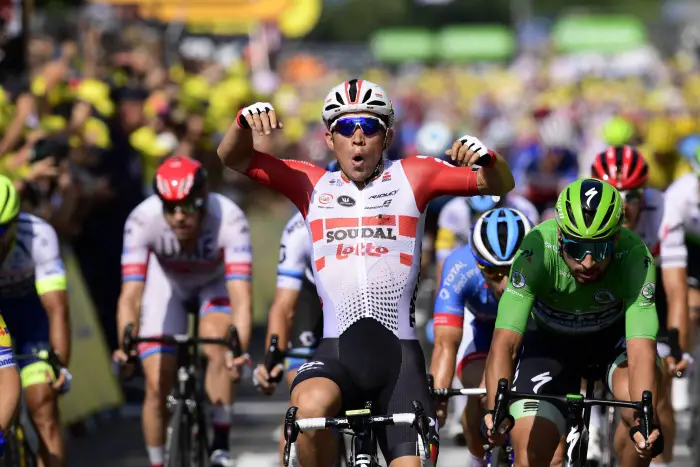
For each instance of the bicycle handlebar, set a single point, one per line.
(452, 392)
(504, 396)
(129, 342)
(276, 356)
(355, 421)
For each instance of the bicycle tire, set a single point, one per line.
(10, 456)
(200, 442)
(177, 443)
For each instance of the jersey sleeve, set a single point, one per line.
(641, 319)
(294, 179)
(450, 223)
(519, 296)
(449, 303)
(136, 247)
(295, 254)
(235, 241)
(430, 177)
(674, 253)
(49, 271)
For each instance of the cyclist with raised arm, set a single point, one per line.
(34, 303)
(472, 283)
(589, 285)
(365, 223)
(624, 168)
(186, 244)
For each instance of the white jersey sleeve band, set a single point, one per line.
(295, 254)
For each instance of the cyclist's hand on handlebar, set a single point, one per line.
(647, 448)
(441, 410)
(63, 381)
(122, 363)
(467, 150)
(678, 368)
(235, 365)
(259, 117)
(495, 437)
(264, 381)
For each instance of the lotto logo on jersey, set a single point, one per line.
(360, 249)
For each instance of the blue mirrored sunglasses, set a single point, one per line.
(369, 125)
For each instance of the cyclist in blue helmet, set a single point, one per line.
(473, 278)
(483, 203)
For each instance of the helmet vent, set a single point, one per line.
(368, 94)
(339, 98)
(352, 89)
(332, 106)
(375, 102)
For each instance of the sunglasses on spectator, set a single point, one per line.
(579, 249)
(369, 125)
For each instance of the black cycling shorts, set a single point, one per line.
(553, 363)
(307, 329)
(369, 363)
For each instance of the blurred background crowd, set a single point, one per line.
(95, 95)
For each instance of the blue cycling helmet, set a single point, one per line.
(483, 203)
(333, 166)
(496, 236)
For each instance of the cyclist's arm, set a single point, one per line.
(448, 321)
(293, 259)
(674, 260)
(238, 260)
(51, 287)
(135, 257)
(641, 322)
(236, 148)
(447, 241)
(294, 179)
(513, 311)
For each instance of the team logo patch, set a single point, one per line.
(517, 279)
(604, 297)
(649, 290)
(346, 201)
(325, 198)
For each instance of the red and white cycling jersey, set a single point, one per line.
(366, 242)
(223, 246)
(649, 226)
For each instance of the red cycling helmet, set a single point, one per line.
(180, 179)
(621, 166)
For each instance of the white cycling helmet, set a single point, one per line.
(357, 95)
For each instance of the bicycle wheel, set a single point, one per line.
(200, 442)
(612, 418)
(11, 454)
(178, 442)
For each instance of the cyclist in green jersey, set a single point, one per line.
(583, 288)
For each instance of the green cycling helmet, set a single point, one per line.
(589, 209)
(9, 200)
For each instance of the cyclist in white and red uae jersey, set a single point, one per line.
(186, 246)
(366, 223)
